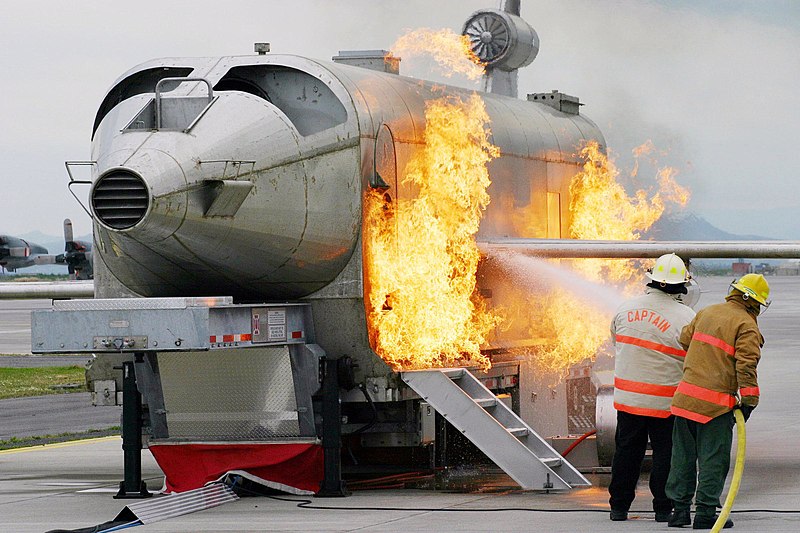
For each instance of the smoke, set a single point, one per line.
(681, 72)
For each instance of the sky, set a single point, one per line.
(711, 83)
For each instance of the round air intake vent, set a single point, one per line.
(120, 199)
(488, 34)
(501, 40)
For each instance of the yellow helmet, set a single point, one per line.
(669, 268)
(753, 286)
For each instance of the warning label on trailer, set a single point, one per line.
(276, 333)
(276, 325)
(275, 317)
(271, 324)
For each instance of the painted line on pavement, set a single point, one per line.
(59, 445)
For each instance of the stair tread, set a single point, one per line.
(486, 402)
(551, 461)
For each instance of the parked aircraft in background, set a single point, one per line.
(18, 253)
(77, 255)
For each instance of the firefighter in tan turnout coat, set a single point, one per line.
(723, 347)
(647, 368)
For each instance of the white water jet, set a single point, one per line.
(534, 274)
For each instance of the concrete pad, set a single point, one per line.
(54, 414)
(15, 324)
(70, 485)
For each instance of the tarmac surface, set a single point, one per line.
(54, 414)
(70, 485)
(43, 415)
(38, 361)
(15, 324)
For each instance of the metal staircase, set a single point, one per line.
(494, 428)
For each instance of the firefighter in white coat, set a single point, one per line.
(647, 369)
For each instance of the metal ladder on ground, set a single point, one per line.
(493, 427)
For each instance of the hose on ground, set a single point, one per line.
(738, 469)
(578, 441)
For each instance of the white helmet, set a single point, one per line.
(669, 269)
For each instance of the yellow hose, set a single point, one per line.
(737, 472)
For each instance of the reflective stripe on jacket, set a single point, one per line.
(723, 346)
(649, 356)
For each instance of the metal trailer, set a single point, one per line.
(211, 372)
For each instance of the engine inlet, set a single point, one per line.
(120, 199)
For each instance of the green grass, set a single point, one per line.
(24, 442)
(20, 382)
(33, 277)
(48, 355)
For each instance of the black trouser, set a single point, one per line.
(631, 442)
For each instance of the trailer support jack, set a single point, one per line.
(132, 486)
(332, 483)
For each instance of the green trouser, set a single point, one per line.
(701, 457)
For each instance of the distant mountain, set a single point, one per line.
(692, 227)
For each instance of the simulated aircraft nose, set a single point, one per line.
(241, 191)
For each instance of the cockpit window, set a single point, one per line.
(307, 101)
(140, 82)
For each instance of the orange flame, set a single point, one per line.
(578, 330)
(601, 209)
(451, 51)
(669, 188)
(420, 256)
(573, 329)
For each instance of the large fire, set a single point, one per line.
(450, 51)
(421, 259)
(601, 209)
(420, 253)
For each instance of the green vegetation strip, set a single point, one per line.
(48, 355)
(20, 382)
(24, 442)
(11, 278)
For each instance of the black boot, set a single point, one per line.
(618, 515)
(707, 522)
(679, 518)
